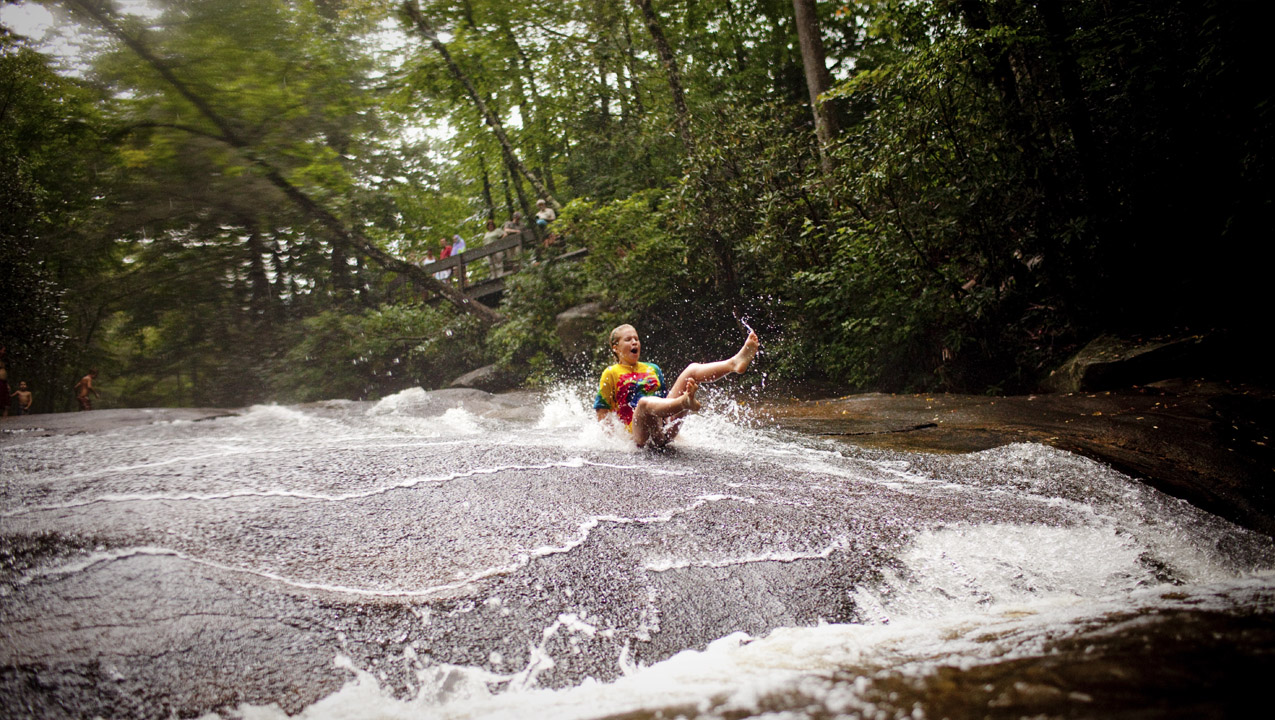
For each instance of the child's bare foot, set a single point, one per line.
(688, 397)
(746, 353)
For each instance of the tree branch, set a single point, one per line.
(413, 10)
(103, 14)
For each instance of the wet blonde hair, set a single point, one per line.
(615, 338)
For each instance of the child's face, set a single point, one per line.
(627, 347)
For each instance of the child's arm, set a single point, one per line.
(604, 401)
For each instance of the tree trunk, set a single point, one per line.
(818, 79)
(1074, 106)
(282, 287)
(260, 301)
(504, 185)
(732, 19)
(535, 119)
(103, 14)
(522, 195)
(414, 12)
(662, 47)
(630, 61)
(488, 203)
(340, 272)
(604, 95)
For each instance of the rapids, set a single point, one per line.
(454, 554)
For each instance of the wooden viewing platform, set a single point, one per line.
(494, 283)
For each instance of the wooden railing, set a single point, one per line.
(512, 245)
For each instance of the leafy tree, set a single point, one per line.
(251, 177)
(51, 169)
(379, 351)
(527, 346)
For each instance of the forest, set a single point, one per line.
(221, 202)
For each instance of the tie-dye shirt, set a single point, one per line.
(623, 385)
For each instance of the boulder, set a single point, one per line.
(1111, 363)
(579, 329)
(489, 377)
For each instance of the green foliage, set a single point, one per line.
(375, 353)
(633, 262)
(527, 345)
(648, 275)
(1007, 173)
(992, 212)
(948, 232)
(51, 168)
(870, 319)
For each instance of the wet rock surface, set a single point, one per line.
(14, 428)
(1205, 442)
(171, 562)
(1206, 664)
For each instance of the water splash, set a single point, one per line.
(831, 670)
(527, 518)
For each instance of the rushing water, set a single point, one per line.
(455, 555)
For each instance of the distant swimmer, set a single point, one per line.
(24, 398)
(84, 387)
(4, 382)
(635, 390)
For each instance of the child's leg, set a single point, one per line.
(708, 372)
(655, 418)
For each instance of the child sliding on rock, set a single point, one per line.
(636, 392)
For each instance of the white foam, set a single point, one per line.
(961, 569)
(567, 419)
(733, 675)
(273, 415)
(720, 432)
(459, 421)
(417, 412)
(723, 425)
(565, 408)
(400, 403)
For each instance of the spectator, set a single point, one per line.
(444, 252)
(458, 247)
(544, 214)
(4, 381)
(497, 259)
(491, 233)
(514, 226)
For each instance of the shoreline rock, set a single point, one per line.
(1204, 442)
(74, 423)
